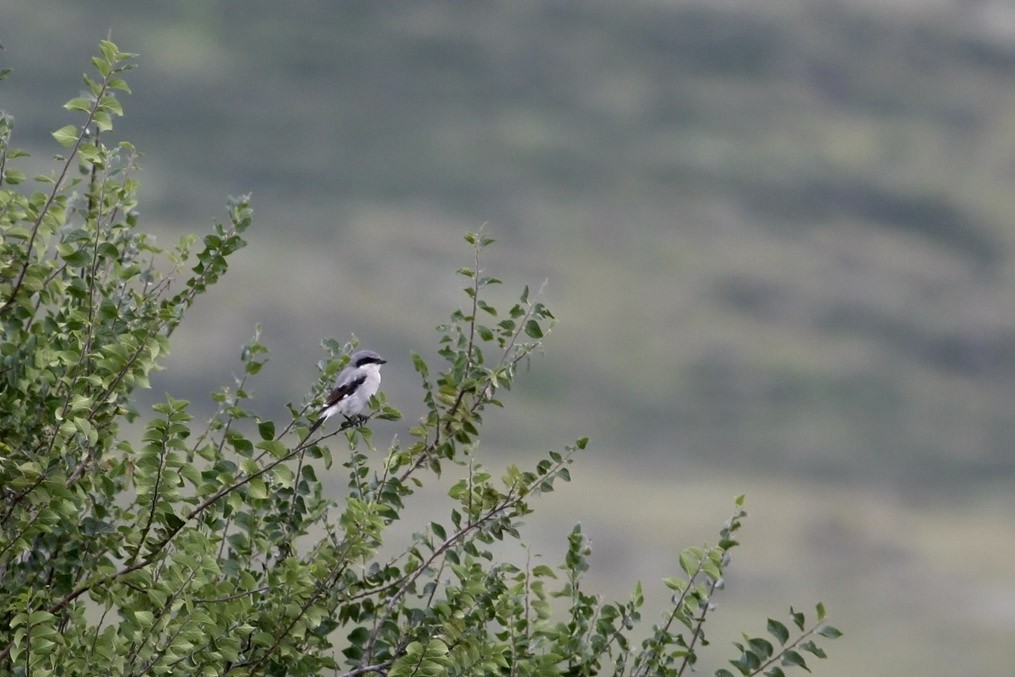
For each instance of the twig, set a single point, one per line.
(57, 185)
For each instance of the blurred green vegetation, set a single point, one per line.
(778, 237)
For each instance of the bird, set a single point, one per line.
(354, 386)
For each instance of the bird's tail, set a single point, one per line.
(316, 425)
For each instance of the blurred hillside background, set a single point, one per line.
(778, 236)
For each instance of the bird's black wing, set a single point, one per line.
(343, 391)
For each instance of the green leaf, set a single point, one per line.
(284, 474)
(111, 104)
(90, 152)
(690, 559)
(273, 447)
(778, 630)
(74, 257)
(830, 632)
(762, 647)
(813, 648)
(109, 51)
(533, 329)
(798, 618)
(120, 84)
(79, 103)
(257, 489)
(266, 429)
(66, 136)
(102, 120)
(174, 521)
(674, 583)
(14, 177)
(458, 489)
(18, 232)
(101, 66)
(793, 658)
(420, 365)
(37, 617)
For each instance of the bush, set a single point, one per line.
(216, 550)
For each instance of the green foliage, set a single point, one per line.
(217, 551)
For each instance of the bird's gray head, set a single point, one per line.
(364, 357)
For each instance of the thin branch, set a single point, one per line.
(678, 606)
(230, 598)
(791, 646)
(376, 667)
(697, 632)
(155, 500)
(403, 584)
(57, 186)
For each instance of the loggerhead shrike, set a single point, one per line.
(354, 387)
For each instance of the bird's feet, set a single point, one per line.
(357, 421)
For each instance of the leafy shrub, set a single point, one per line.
(214, 549)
